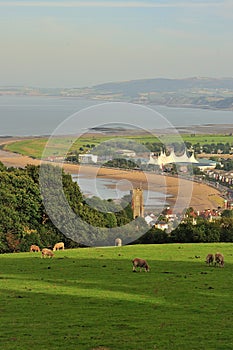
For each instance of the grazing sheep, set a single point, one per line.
(46, 252)
(219, 259)
(59, 246)
(210, 259)
(141, 263)
(118, 242)
(34, 248)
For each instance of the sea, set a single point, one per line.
(22, 116)
(43, 115)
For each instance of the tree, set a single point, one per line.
(226, 231)
(2, 167)
(227, 213)
(153, 236)
(183, 233)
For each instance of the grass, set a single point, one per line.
(34, 147)
(89, 299)
(58, 146)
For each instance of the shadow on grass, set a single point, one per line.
(88, 303)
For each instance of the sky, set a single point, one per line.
(58, 43)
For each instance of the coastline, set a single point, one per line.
(197, 195)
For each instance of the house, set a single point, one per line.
(162, 225)
(168, 214)
(150, 219)
(55, 158)
(210, 215)
(126, 153)
(88, 158)
(206, 164)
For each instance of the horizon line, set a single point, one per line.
(114, 4)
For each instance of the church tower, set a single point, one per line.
(137, 202)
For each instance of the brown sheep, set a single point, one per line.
(34, 248)
(59, 246)
(219, 259)
(210, 259)
(46, 252)
(141, 263)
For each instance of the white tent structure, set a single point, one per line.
(163, 159)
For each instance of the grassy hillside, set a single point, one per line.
(90, 299)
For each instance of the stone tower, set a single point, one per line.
(137, 202)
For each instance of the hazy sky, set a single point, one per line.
(82, 43)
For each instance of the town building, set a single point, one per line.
(88, 158)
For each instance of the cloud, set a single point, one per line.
(116, 4)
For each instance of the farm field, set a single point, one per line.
(89, 299)
(34, 147)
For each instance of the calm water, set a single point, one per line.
(115, 189)
(35, 116)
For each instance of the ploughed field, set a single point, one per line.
(89, 298)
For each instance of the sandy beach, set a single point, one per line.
(184, 193)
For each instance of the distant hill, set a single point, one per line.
(214, 93)
(191, 92)
(134, 87)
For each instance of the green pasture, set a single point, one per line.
(208, 139)
(32, 147)
(89, 298)
(60, 145)
(57, 146)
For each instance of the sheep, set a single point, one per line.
(141, 263)
(210, 259)
(59, 246)
(47, 252)
(34, 248)
(219, 259)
